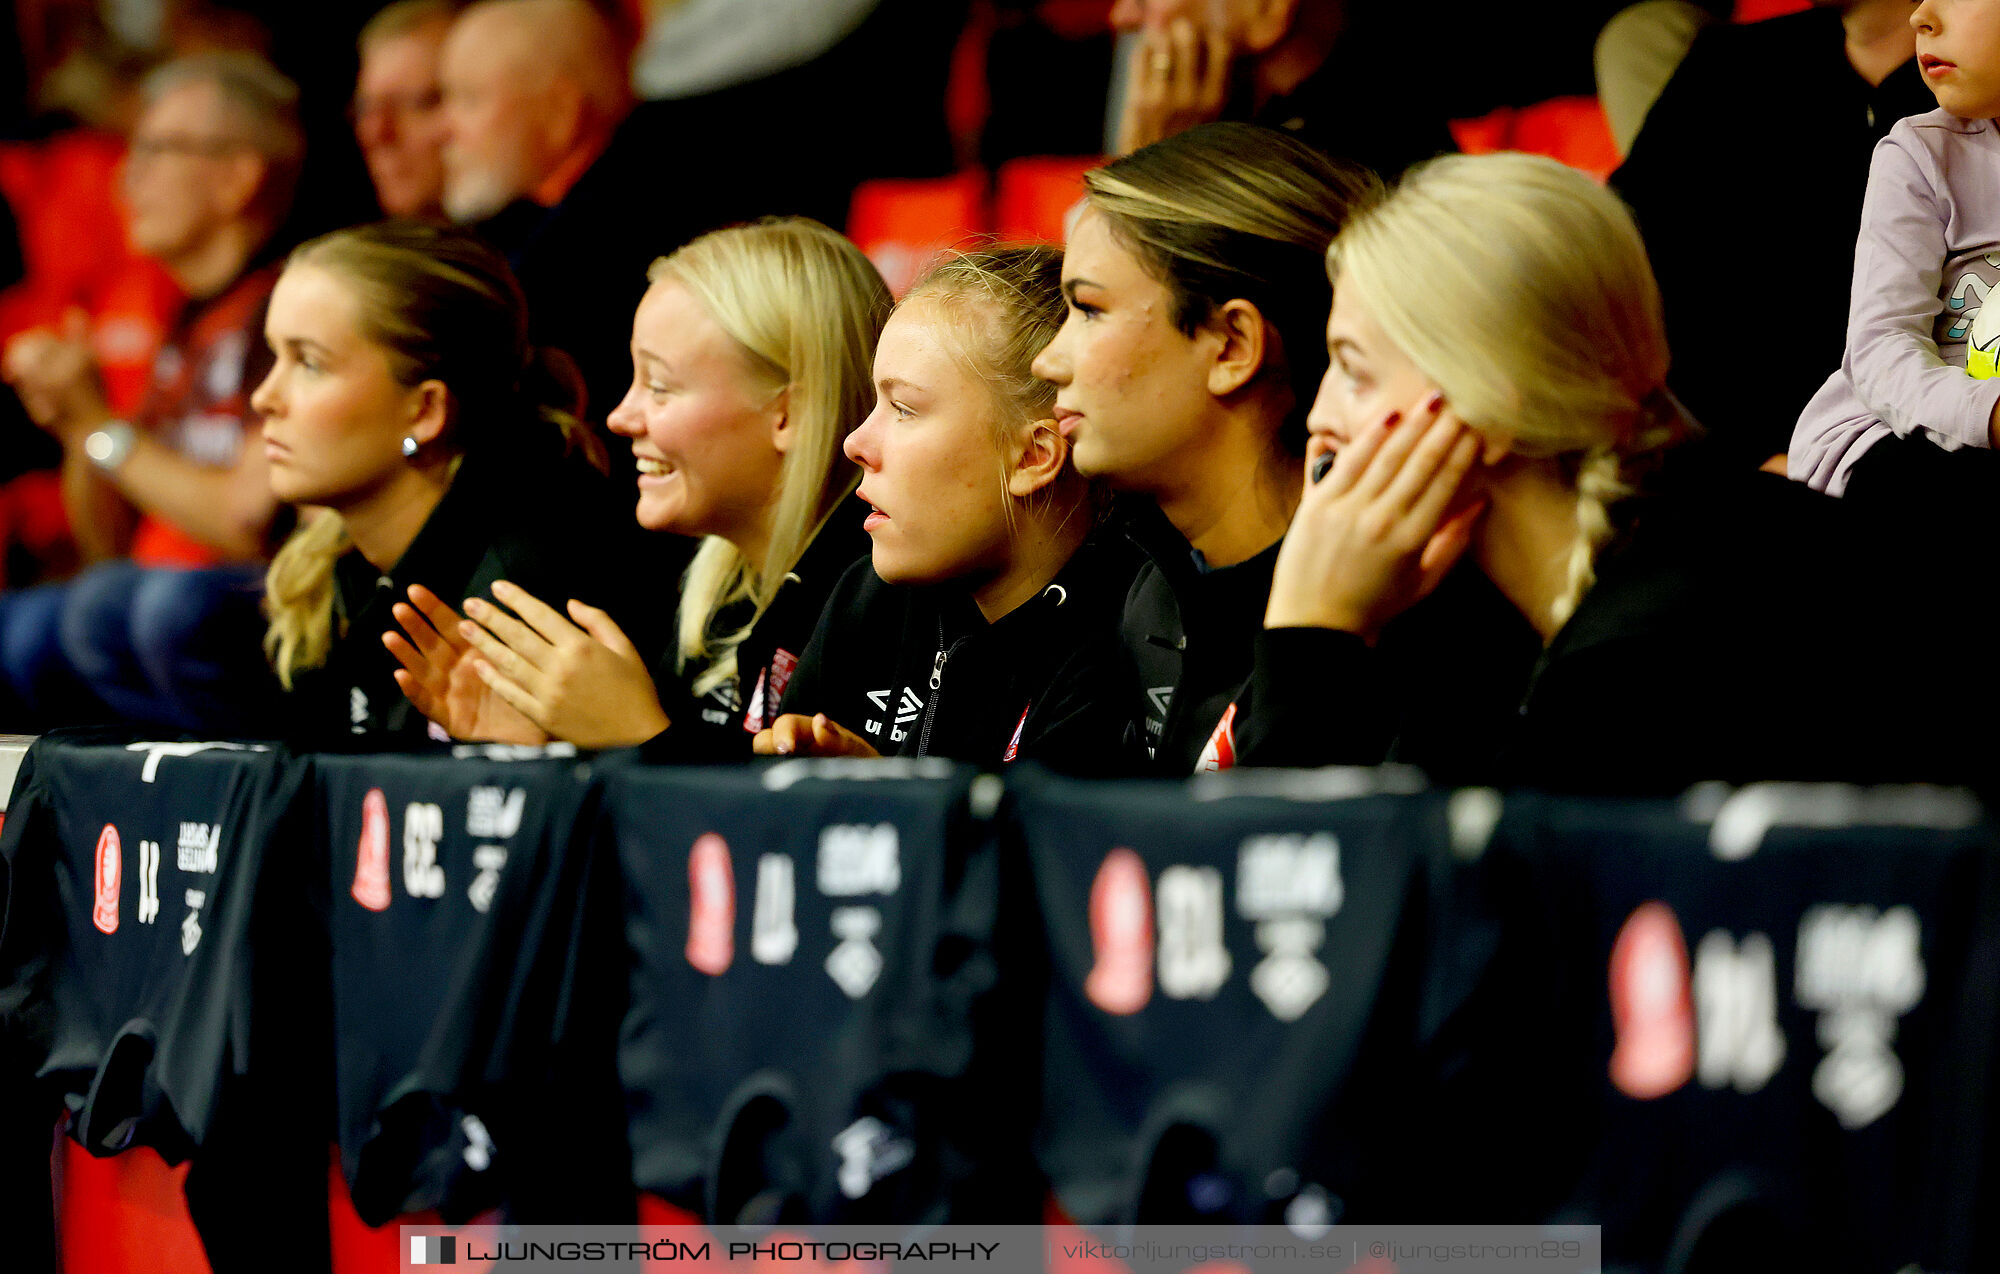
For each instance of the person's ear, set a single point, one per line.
(781, 420)
(561, 109)
(236, 181)
(1244, 343)
(1035, 458)
(430, 412)
(1268, 23)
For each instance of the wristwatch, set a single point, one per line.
(108, 445)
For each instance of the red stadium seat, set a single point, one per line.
(1571, 129)
(1758, 10)
(1075, 19)
(1033, 196)
(34, 519)
(125, 1215)
(905, 224)
(968, 97)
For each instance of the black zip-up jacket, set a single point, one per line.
(917, 671)
(719, 725)
(1439, 691)
(1742, 628)
(1451, 670)
(546, 522)
(1190, 632)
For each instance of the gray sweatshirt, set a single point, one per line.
(1928, 254)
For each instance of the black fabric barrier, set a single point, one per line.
(1268, 1002)
(812, 975)
(1748, 1027)
(474, 989)
(163, 974)
(1791, 993)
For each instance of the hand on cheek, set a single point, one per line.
(1380, 527)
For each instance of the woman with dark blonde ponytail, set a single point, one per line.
(1182, 371)
(983, 627)
(1496, 393)
(427, 444)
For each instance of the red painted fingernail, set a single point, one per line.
(1435, 402)
(1394, 418)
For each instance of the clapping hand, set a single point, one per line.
(56, 376)
(575, 675)
(439, 677)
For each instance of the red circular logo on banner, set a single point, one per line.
(1652, 1009)
(110, 871)
(1121, 932)
(371, 861)
(711, 944)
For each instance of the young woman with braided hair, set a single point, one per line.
(429, 445)
(1496, 393)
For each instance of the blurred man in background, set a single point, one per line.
(399, 107)
(174, 505)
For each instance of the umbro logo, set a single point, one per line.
(1160, 696)
(908, 709)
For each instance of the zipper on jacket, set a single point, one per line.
(937, 679)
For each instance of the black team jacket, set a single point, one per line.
(719, 724)
(918, 671)
(544, 521)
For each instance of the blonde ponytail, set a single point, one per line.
(441, 304)
(1599, 486)
(298, 595)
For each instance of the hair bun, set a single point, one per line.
(551, 380)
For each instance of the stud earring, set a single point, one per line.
(410, 445)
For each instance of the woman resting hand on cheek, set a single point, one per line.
(750, 364)
(1496, 393)
(985, 626)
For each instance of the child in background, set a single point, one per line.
(1901, 424)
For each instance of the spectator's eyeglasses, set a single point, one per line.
(182, 144)
(400, 105)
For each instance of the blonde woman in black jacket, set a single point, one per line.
(984, 626)
(427, 443)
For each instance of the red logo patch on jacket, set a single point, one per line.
(110, 871)
(1014, 744)
(1121, 933)
(1220, 754)
(783, 664)
(371, 859)
(711, 944)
